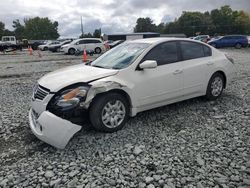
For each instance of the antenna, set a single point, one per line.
(81, 26)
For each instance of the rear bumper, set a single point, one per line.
(52, 129)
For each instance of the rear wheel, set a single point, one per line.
(71, 51)
(45, 48)
(238, 46)
(98, 50)
(109, 112)
(215, 86)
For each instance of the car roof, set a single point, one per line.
(235, 36)
(89, 39)
(161, 39)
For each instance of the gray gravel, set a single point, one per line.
(194, 143)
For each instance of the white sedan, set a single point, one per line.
(130, 78)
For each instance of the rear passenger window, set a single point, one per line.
(207, 51)
(96, 41)
(191, 50)
(163, 53)
(82, 42)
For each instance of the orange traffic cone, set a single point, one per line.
(30, 50)
(84, 56)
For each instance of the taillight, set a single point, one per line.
(229, 58)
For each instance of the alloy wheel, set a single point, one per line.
(113, 114)
(217, 86)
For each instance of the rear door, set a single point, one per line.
(197, 64)
(229, 41)
(88, 44)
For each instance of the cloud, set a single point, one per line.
(113, 16)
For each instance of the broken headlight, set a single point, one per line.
(70, 98)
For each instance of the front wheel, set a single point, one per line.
(109, 112)
(71, 51)
(215, 86)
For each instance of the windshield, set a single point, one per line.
(121, 56)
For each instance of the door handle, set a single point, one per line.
(210, 63)
(177, 72)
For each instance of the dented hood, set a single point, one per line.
(74, 74)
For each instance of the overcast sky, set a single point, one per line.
(113, 16)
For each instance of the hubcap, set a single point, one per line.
(113, 114)
(217, 86)
(98, 51)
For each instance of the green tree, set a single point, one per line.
(8, 33)
(97, 33)
(223, 19)
(160, 28)
(86, 35)
(40, 28)
(242, 23)
(2, 28)
(194, 22)
(144, 25)
(18, 29)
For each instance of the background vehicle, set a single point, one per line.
(9, 39)
(130, 78)
(94, 44)
(115, 43)
(56, 47)
(45, 46)
(9, 43)
(236, 41)
(203, 38)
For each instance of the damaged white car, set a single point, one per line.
(135, 76)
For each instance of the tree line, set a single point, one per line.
(33, 28)
(216, 22)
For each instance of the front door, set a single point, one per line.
(163, 83)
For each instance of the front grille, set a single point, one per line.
(40, 93)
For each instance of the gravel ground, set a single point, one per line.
(194, 143)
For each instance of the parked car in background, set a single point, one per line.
(115, 43)
(203, 38)
(133, 77)
(94, 44)
(236, 41)
(56, 47)
(45, 46)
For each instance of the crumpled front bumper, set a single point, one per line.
(52, 129)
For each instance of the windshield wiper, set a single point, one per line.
(98, 66)
(88, 63)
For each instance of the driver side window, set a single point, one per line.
(163, 54)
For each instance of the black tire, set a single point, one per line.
(98, 50)
(45, 48)
(98, 108)
(211, 94)
(71, 51)
(238, 45)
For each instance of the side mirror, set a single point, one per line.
(148, 64)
